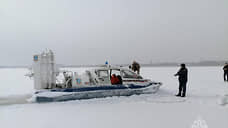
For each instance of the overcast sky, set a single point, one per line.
(120, 31)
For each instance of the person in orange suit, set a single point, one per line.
(114, 79)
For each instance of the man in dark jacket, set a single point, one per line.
(225, 68)
(135, 67)
(183, 78)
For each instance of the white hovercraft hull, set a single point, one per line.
(58, 95)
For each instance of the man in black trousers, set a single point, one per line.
(183, 78)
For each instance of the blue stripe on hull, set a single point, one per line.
(103, 87)
(95, 92)
(95, 88)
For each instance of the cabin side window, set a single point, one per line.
(116, 72)
(103, 73)
(129, 74)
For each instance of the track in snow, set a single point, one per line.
(15, 99)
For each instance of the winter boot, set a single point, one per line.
(179, 94)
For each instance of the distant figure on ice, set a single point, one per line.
(135, 67)
(183, 78)
(225, 68)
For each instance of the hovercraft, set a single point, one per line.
(53, 85)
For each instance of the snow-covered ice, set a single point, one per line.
(200, 109)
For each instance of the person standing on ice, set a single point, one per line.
(183, 78)
(225, 68)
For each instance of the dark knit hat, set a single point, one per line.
(182, 65)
